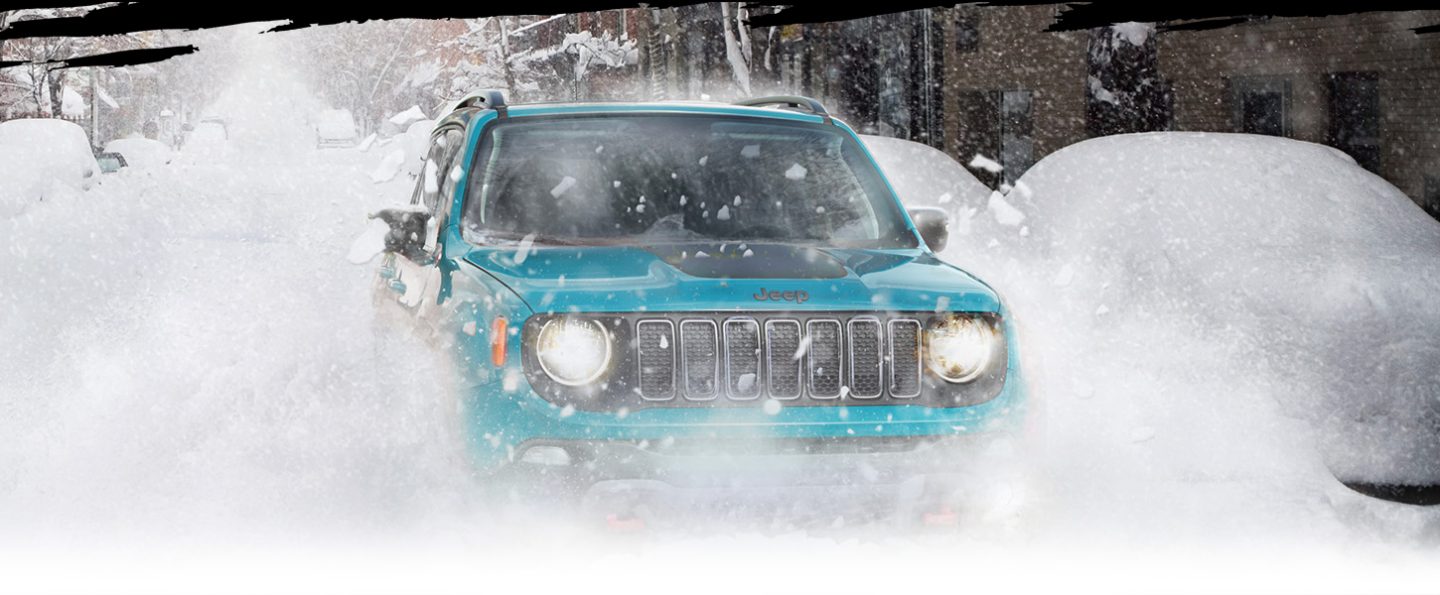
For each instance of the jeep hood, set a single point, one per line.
(728, 277)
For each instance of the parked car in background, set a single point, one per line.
(925, 176)
(110, 162)
(336, 128)
(207, 139)
(140, 152)
(645, 302)
(40, 158)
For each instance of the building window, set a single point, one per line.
(967, 31)
(1355, 116)
(996, 126)
(1017, 142)
(1261, 105)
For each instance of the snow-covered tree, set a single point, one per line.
(566, 71)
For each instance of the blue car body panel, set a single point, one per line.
(479, 283)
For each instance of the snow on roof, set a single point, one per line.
(406, 117)
(536, 24)
(71, 103)
(105, 97)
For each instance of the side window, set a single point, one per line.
(427, 188)
(454, 167)
(436, 187)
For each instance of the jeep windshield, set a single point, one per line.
(647, 179)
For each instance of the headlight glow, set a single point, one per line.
(959, 348)
(573, 352)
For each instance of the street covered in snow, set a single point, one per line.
(199, 394)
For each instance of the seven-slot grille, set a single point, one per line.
(742, 358)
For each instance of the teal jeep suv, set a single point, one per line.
(625, 294)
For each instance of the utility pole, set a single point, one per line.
(95, 106)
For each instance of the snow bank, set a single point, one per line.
(1222, 307)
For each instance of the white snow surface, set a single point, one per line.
(197, 393)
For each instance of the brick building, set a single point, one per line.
(1365, 83)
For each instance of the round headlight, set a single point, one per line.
(959, 349)
(573, 352)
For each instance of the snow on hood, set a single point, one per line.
(1202, 293)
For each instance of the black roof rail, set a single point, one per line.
(486, 99)
(794, 101)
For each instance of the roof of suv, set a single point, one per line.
(695, 107)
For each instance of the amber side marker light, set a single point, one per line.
(499, 329)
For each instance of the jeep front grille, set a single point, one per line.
(742, 358)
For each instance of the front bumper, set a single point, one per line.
(502, 426)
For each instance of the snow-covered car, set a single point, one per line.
(140, 152)
(42, 157)
(207, 139)
(335, 128)
(1243, 306)
(642, 302)
(925, 176)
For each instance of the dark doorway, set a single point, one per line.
(1262, 112)
(1017, 142)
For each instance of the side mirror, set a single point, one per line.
(407, 230)
(933, 223)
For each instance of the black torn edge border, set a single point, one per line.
(151, 15)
